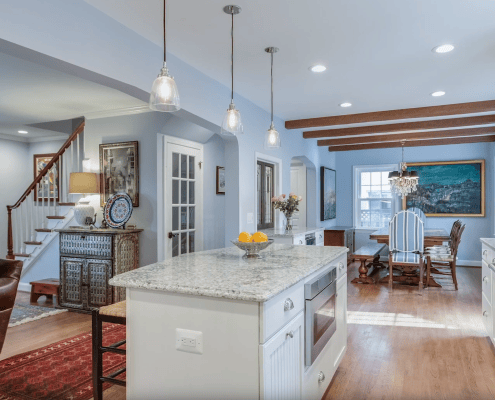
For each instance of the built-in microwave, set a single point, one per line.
(320, 313)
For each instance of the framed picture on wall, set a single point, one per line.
(328, 193)
(119, 169)
(449, 188)
(220, 180)
(48, 189)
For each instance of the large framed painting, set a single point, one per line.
(449, 188)
(119, 169)
(328, 200)
(48, 189)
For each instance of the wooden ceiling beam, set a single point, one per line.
(414, 143)
(391, 115)
(408, 136)
(401, 127)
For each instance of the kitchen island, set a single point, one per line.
(214, 325)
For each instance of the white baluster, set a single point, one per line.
(29, 202)
(14, 229)
(43, 188)
(63, 179)
(50, 197)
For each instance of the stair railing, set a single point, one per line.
(28, 215)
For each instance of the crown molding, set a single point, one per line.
(48, 138)
(118, 112)
(14, 138)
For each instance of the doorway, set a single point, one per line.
(298, 186)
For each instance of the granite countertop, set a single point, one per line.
(280, 232)
(224, 273)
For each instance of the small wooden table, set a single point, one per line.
(433, 236)
(45, 287)
(363, 254)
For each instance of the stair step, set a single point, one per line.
(34, 243)
(67, 204)
(43, 230)
(55, 217)
(22, 255)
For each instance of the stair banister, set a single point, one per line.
(38, 183)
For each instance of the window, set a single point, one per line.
(265, 189)
(373, 200)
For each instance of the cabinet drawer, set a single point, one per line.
(319, 237)
(487, 254)
(341, 264)
(86, 245)
(301, 240)
(486, 281)
(487, 315)
(277, 312)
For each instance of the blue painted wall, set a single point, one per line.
(470, 248)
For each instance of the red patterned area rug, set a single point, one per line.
(61, 371)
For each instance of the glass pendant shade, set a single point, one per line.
(232, 122)
(164, 94)
(272, 138)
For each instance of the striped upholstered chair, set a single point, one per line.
(420, 213)
(406, 244)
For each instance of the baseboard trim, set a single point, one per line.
(24, 287)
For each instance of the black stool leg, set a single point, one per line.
(97, 356)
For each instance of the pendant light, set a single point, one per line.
(403, 182)
(272, 137)
(164, 94)
(232, 123)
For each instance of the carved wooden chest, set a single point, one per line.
(88, 259)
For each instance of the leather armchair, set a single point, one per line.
(10, 273)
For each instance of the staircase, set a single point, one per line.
(32, 220)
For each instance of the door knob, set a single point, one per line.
(321, 377)
(172, 235)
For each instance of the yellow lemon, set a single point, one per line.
(260, 237)
(244, 237)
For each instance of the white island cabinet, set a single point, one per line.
(298, 236)
(212, 325)
(488, 286)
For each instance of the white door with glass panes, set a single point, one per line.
(183, 197)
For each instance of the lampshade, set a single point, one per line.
(232, 123)
(164, 93)
(272, 138)
(83, 183)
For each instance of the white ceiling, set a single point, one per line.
(32, 94)
(378, 53)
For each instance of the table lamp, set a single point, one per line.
(84, 183)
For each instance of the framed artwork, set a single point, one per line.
(119, 169)
(449, 188)
(328, 193)
(220, 180)
(48, 189)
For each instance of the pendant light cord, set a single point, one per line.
(232, 58)
(271, 72)
(164, 34)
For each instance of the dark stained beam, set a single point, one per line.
(401, 127)
(414, 143)
(391, 115)
(408, 136)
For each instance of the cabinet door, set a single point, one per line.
(71, 275)
(282, 360)
(99, 291)
(341, 310)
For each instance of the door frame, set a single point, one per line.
(277, 162)
(162, 142)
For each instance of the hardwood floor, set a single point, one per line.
(400, 345)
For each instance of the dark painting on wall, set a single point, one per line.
(449, 188)
(328, 200)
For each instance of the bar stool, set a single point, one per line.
(115, 314)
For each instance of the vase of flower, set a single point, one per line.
(288, 206)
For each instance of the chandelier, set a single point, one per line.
(403, 182)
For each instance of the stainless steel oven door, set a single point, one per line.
(321, 322)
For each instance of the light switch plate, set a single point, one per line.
(250, 218)
(189, 341)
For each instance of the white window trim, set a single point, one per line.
(277, 162)
(357, 169)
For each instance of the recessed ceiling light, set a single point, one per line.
(443, 48)
(23, 132)
(317, 68)
(345, 104)
(438, 94)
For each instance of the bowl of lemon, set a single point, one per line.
(252, 244)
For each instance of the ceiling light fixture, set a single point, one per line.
(272, 137)
(345, 104)
(22, 132)
(403, 182)
(317, 68)
(438, 94)
(164, 95)
(232, 123)
(444, 48)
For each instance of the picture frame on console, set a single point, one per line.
(119, 169)
(48, 189)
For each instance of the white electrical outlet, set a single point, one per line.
(189, 341)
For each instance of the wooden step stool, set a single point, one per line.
(45, 287)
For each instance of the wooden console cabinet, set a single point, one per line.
(341, 236)
(88, 259)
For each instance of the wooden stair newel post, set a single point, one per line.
(10, 238)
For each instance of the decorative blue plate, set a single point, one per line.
(118, 210)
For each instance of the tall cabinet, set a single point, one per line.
(88, 259)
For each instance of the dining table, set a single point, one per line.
(432, 237)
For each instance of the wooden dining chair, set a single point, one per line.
(446, 246)
(406, 245)
(444, 262)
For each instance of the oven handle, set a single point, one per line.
(322, 297)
